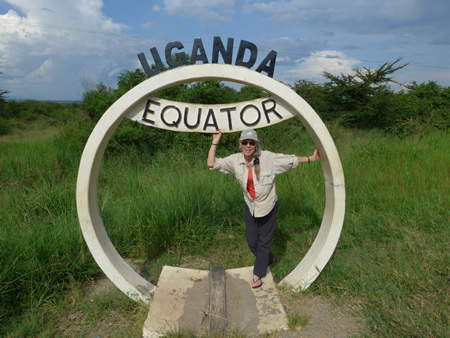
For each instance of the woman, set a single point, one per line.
(255, 171)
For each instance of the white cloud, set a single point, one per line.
(283, 59)
(202, 10)
(41, 74)
(86, 14)
(312, 67)
(45, 39)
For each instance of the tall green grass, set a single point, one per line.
(41, 247)
(392, 257)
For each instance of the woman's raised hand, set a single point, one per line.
(217, 136)
(315, 156)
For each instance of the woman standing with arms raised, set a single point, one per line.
(255, 170)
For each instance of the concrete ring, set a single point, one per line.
(91, 223)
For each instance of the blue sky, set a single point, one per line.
(48, 47)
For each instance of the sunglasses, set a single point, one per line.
(244, 143)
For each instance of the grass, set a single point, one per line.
(392, 257)
(110, 314)
(297, 320)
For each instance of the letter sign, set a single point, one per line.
(171, 115)
(199, 54)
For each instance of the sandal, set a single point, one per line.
(256, 283)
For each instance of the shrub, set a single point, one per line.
(5, 127)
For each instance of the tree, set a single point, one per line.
(207, 92)
(355, 98)
(128, 79)
(97, 101)
(353, 90)
(419, 109)
(3, 96)
(247, 93)
(2, 91)
(313, 93)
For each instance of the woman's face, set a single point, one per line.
(248, 147)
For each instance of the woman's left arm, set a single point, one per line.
(313, 158)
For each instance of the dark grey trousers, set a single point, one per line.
(259, 238)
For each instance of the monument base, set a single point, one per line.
(181, 303)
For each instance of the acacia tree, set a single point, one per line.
(353, 90)
(360, 99)
(3, 93)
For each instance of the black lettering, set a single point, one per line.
(214, 123)
(228, 111)
(190, 126)
(180, 57)
(198, 47)
(174, 123)
(147, 111)
(156, 68)
(271, 109)
(227, 55)
(248, 124)
(244, 45)
(269, 69)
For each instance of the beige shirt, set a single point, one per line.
(271, 164)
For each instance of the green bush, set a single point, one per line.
(5, 126)
(365, 100)
(418, 110)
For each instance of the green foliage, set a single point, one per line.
(128, 80)
(96, 102)
(11, 109)
(247, 93)
(210, 92)
(205, 92)
(297, 320)
(31, 114)
(3, 93)
(165, 206)
(313, 93)
(32, 110)
(172, 93)
(365, 100)
(159, 201)
(351, 97)
(38, 257)
(5, 126)
(3, 96)
(418, 110)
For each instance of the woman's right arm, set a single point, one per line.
(212, 151)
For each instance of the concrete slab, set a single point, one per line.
(253, 311)
(181, 302)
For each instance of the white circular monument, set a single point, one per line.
(137, 104)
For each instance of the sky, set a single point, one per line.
(50, 48)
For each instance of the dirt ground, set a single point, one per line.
(323, 319)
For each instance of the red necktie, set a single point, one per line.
(250, 185)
